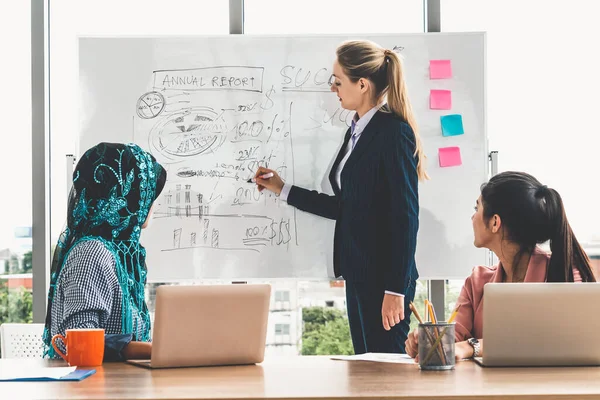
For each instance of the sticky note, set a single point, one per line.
(452, 125)
(440, 99)
(440, 69)
(449, 156)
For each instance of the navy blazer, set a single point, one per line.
(377, 208)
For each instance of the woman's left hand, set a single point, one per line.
(463, 350)
(392, 310)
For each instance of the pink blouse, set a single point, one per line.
(469, 320)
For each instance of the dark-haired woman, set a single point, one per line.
(514, 214)
(99, 271)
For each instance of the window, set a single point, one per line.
(541, 97)
(282, 329)
(15, 164)
(282, 296)
(333, 17)
(541, 94)
(453, 288)
(421, 293)
(70, 19)
(23, 232)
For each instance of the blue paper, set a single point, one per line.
(77, 375)
(452, 125)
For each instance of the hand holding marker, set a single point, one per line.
(265, 176)
(268, 179)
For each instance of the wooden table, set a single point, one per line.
(315, 378)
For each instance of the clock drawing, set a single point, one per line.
(150, 105)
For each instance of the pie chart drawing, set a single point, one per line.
(188, 133)
(150, 105)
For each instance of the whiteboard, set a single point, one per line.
(212, 109)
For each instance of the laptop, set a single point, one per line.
(540, 324)
(209, 325)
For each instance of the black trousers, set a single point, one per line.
(364, 301)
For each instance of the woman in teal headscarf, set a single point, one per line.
(98, 271)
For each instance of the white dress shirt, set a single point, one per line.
(356, 129)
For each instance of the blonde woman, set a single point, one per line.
(375, 203)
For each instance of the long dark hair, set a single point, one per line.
(532, 214)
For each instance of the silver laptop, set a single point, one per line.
(208, 325)
(541, 324)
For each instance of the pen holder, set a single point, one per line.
(436, 346)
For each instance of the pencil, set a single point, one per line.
(431, 312)
(453, 315)
(415, 312)
(436, 332)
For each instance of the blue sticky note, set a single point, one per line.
(452, 125)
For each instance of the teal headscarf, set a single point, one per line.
(114, 186)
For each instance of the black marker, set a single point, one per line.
(265, 176)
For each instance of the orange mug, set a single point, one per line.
(85, 347)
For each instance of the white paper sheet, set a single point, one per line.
(378, 357)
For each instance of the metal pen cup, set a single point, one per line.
(436, 346)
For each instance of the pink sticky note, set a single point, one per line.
(440, 99)
(440, 69)
(449, 156)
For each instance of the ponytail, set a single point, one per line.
(399, 104)
(566, 250)
(365, 59)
